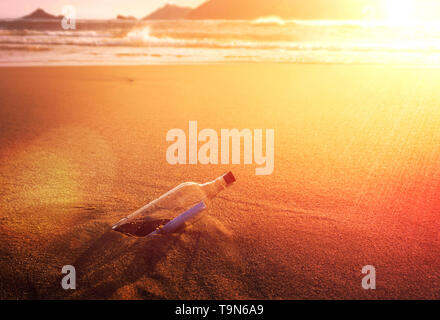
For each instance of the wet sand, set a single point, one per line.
(356, 182)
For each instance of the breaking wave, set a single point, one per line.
(267, 38)
(269, 20)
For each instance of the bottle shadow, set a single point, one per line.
(116, 266)
(114, 261)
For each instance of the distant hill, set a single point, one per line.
(287, 9)
(122, 17)
(169, 12)
(40, 14)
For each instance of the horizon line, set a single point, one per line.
(114, 16)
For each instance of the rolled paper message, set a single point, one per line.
(176, 223)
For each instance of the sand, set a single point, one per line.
(356, 182)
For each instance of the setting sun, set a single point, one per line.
(400, 11)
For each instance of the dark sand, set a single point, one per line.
(356, 182)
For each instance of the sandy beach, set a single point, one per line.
(356, 182)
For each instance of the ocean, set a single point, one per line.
(114, 42)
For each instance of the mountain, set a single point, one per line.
(287, 9)
(168, 12)
(40, 14)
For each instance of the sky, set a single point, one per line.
(398, 10)
(89, 8)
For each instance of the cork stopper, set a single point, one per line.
(229, 178)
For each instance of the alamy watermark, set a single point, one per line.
(214, 151)
(69, 18)
(369, 281)
(69, 281)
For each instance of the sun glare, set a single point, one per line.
(400, 11)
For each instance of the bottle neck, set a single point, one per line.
(212, 188)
